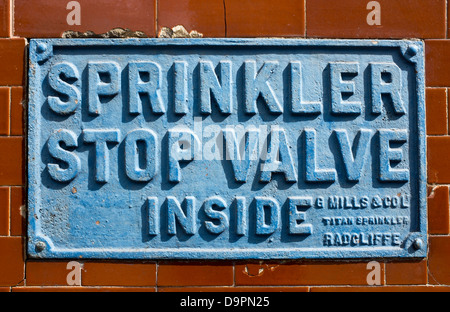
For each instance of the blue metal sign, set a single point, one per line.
(226, 149)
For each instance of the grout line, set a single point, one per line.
(446, 110)
(304, 17)
(156, 18)
(437, 135)
(98, 288)
(156, 277)
(13, 85)
(225, 17)
(240, 286)
(11, 20)
(81, 275)
(437, 184)
(11, 16)
(25, 263)
(10, 211)
(234, 274)
(10, 109)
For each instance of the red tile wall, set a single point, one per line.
(399, 19)
(207, 16)
(36, 18)
(421, 19)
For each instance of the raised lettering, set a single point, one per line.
(183, 145)
(241, 216)
(185, 219)
(313, 174)
(386, 79)
(150, 152)
(211, 207)
(101, 138)
(389, 155)
(56, 151)
(297, 218)
(104, 81)
(59, 78)
(266, 209)
(181, 95)
(279, 158)
(354, 163)
(145, 85)
(343, 86)
(153, 216)
(211, 87)
(257, 84)
(300, 106)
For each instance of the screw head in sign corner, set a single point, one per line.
(412, 50)
(40, 246)
(41, 47)
(418, 244)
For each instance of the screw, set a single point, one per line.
(412, 50)
(418, 244)
(41, 47)
(40, 246)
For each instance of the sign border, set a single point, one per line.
(39, 246)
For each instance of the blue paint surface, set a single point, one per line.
(226, 149)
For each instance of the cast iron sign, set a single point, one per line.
(226, 149)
